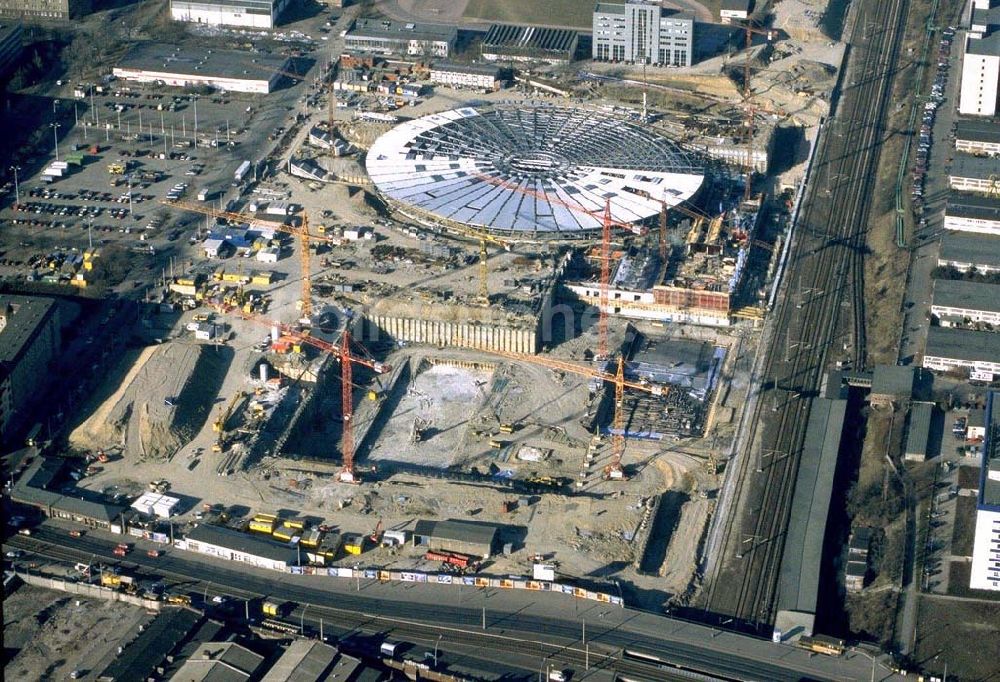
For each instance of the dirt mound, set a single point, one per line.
(163, 401)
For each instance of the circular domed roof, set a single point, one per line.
(532, 172)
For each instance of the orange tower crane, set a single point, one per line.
(342, 351)
(607, 222)
(614, 469)
(750, 30)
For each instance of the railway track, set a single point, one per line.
(828, 268)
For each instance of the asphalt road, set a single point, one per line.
(526, 630)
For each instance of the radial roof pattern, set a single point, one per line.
(531, 170)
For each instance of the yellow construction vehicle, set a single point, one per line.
(219, 424)
(117, 167)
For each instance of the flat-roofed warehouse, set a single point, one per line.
(394, 37)
(977, 137)
(949, 349)
(532, 171)
(251, 13)
(971, 213)
(230, 70)
(463, 537)
(236, 546)
(974, 174)
(33, 490)
(974, 301)
(508, 42)
(964, 251)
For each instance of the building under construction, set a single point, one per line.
(693, 279)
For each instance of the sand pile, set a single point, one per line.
(163, 401)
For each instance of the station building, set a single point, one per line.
(229, 70)
(250, 13)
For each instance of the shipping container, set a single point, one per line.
(241, 173)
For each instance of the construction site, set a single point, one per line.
(537, 308)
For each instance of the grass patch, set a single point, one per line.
(960, 635)
(873, 615)
(576, 13)
(963, 534)
(968, 477)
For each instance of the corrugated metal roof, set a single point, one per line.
(459, 531)
(918, 437)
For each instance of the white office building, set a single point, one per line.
(985, 574)
(981, 62)
(639, 31)
(250, 13)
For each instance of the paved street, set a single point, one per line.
(531, 624)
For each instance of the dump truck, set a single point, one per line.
(276, 609)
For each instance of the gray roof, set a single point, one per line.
(989, 17)
(798, 581)
(736, 4)
(893, 380)
(42, 472)
(973, 206)
(308, 660)
(29, 313)
(159, 638)
(204, 63)
(967, 247)
(977, 418)
(920, 428)
(962, 344)
(460, 531)
(861, 538)
(241, 542)
(978, 130)
(529, 39)
(453, 67)
(988, 45)
(609, 8)
(951, 293)
(968, 166)
(989, 488)
(376, 28)
(856, 568)
(219, 662)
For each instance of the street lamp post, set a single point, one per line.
(436, 644)
(55, 138)
(17, 190)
